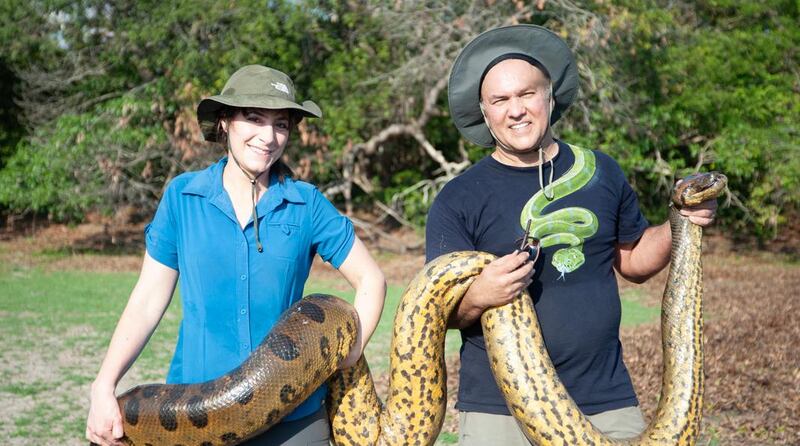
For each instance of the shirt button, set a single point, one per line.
(244, 311)
(243, 277)
(244, 346)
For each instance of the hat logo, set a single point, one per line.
(280, 86)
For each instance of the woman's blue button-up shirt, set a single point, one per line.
(232, 295)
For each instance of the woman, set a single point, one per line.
(237, 276)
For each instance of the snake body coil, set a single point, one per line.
(315, 334)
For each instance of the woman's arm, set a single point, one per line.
(146, 305)
(360, 269)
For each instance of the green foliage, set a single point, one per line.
(711, 86)
(11, 130)
(75, 165)
(104, 94)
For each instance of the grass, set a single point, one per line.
(634, 311)
(55, 327)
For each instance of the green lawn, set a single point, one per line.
(55, 326)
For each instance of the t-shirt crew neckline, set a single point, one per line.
(494, 163)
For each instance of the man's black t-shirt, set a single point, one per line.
(578, 305)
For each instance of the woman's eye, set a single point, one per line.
(253, 118)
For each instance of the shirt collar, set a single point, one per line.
(208, 183)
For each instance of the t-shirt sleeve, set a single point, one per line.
(160, 235)
(445, 229)
(631, 223)
(333, 232)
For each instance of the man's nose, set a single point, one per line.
(516, 108)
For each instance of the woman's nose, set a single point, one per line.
(266, 134)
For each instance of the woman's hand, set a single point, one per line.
(358, 349)
(104, 425)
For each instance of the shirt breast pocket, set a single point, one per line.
(286, 241)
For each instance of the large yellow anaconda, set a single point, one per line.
(315, 334)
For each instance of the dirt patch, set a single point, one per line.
(752, 367)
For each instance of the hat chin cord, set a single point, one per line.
(254, 195)
(540, 149)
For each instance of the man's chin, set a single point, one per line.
(519, 147)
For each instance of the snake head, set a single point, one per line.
(697, 188)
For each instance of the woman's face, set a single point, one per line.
(257, 137)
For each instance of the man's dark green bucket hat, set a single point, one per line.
(528, 41)
(253, 86)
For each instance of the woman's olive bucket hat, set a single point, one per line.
(532, 41)
(254, 86)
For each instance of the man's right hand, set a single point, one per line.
(498, 284)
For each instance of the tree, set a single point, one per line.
(105, 96)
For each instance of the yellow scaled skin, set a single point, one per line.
(417, 400)
(520, 363)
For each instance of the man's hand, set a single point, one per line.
(498, 284)
(703, 214)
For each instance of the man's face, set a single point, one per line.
(516, 102)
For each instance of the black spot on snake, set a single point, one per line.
(282, 346)
(287, 394)
(246, 395)
(176, 392)
(272, 416)
(230, 436)
(132, 411)
(149, 391)
(207, 387)
(324, 346)
(197, 412)
(313, 312)
(167, 416)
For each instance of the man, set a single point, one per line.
(506, 88)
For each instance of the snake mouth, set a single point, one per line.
(699, 187)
